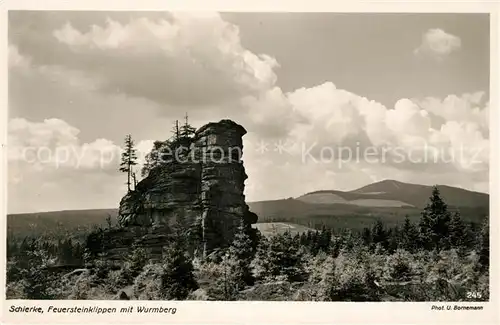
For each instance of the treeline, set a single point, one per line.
(437, 229)
(357, 221)
(62, 251)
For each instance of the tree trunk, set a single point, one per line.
(128, 178)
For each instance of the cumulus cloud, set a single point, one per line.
(324, 121)
(438, 43)
(54, 144)
(186, 59)
(468, 107)
(127, 74)
(47, 163)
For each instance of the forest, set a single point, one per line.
(438, 258)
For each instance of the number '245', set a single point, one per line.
(474, 295)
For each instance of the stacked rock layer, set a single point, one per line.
(203, 185)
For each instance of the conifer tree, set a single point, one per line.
(425, 232)
(328, 286)
(483, 246)
(284, 257)
(393, 238)
(67, 251)
(324, 239)
(409, 235)
(379, 234)
(435, 222)
(227, 286)
(175, 140)
(241, 254)
(456, 231)
(366, 236)
(153, 158)
(177, 278)
(129, 159)
(35, 284)
(134, 178)
(186, 130)
(138, 259)
(469, 239)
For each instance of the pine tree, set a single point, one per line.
(138, 259)
(409, 235)
(469, 234)
(393, 238)
(134, 178)
(425, 232)
(177, 278)
(154, 157)
(284, 258)
(241, 254)
(435, 221)
(379, 234)
(324, 239)
(483, 246)
(175, 140)
(186, 130)
(366, 236)
(129, 159)
(328, 286)
(77, 253)
(36, 281)
(67, 251)
(228, 285)
(457, 231)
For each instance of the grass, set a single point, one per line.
(271, 228)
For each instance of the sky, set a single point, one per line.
(329, 100)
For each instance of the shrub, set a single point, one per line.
(14, 290)
(81, 289)
(448, 266)
(101, 269)
(209, 272)
(136, 261)
(35, 279)
(348, 278)
(317, 266)
(120, 278)
(147, 284)
(398, 266)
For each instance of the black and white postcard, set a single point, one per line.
(183, 166)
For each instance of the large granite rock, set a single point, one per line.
(203, 184)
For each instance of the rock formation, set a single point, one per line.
(201, 182)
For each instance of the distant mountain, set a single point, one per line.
(58, 222)
(387, 200)
(391, 193)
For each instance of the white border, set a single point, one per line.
(269, 312)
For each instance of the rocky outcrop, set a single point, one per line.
(201, 182)
(219, 148)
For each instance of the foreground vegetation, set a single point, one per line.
(437, 259)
